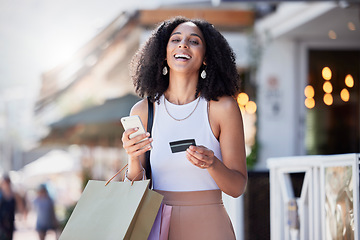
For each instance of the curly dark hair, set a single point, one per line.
(222, 78)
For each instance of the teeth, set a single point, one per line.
(182, 56)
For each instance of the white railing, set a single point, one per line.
(328, 206)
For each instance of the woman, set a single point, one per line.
(188, 70)
(7, 209)
(46, 219)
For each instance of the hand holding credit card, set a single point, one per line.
(182, 145)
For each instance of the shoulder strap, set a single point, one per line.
(149, 128)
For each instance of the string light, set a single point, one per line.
(349, 81)
(326, 73)
(328, 99)
(310, 103)
(246, 105)
(242, 99)
(345, 95)
(250, 107)
(309, 91)
(327, 87)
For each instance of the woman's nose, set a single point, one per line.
(183, 44)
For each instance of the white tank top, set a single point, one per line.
(173, 171)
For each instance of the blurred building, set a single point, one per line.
(308, 80)
(15, 109)
(98, 72)
(308, 97)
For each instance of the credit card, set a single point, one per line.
(182, 145)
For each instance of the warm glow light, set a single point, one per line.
(345, 95)
(326, 73)
(242, 108)
(250, 107)
(351, 26)
(332, 34)
(243, 99)
(309, 103)
(349, 81)
(328, 99)
(309, 91)
(327, 87)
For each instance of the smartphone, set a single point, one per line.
(133, 122)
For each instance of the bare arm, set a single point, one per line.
(133, 149)
(227, 125)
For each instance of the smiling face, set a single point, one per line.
(185, 50)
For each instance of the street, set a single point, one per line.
(25, 228)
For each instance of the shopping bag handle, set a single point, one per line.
(115, 175)
(132, 182)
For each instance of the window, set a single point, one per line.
(332, 124)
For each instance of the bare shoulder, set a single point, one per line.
(141, 108)
(224, 105)
(224, 114)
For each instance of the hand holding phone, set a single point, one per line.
(133, 122)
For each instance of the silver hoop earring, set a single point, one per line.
(165, 71)
(203, 74)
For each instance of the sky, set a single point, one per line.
(36, 35)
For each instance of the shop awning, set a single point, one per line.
(111, 111)
(98, 125)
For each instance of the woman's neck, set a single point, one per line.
(181, 90)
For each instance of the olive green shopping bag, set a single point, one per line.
(120, 210)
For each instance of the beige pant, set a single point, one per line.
(198, 215)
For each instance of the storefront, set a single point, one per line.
(301, 110)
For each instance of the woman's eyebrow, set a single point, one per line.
(192, 34)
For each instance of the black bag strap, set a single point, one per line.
(149, 128)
